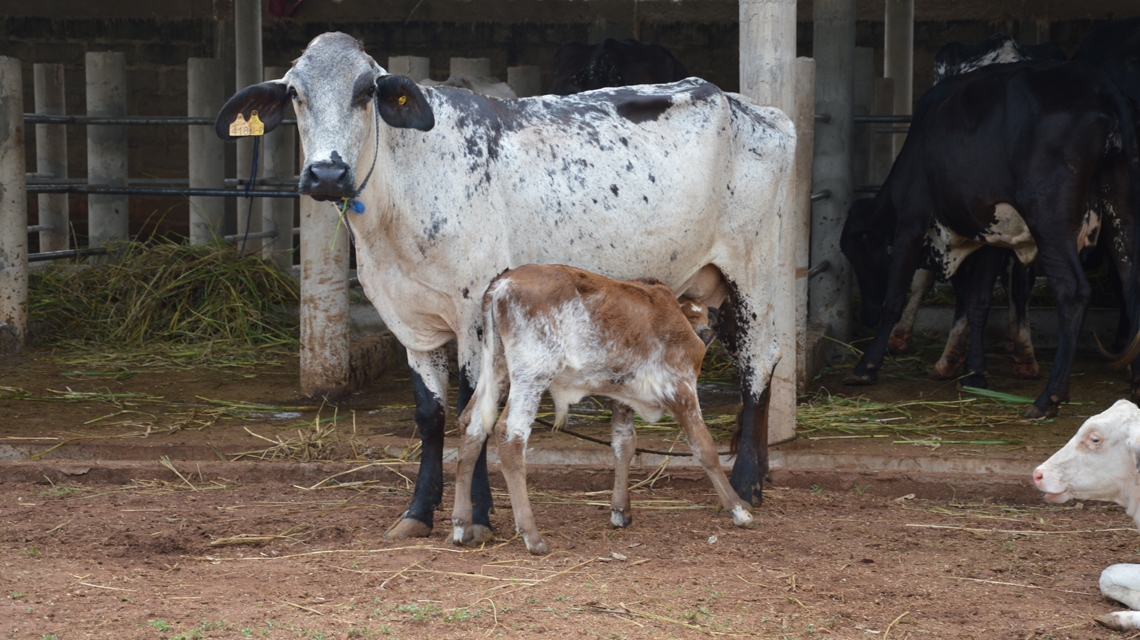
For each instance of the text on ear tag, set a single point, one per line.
(256, 126)
(403, 99)
(239, 127)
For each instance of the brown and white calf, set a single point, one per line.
(575, 333)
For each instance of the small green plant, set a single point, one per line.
(33, 552)
(1010, 546)
(161, 625)
(16, 595)
(561, 598)
(246, 632)
(861, 490)
(49, 636)
(815, 488)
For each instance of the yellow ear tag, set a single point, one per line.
(256, 126)
(403, 99)
(239, 127)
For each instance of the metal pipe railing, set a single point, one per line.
(144, 191)
(36, 118)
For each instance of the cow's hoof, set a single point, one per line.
(974, 382)
(619, 518)
(1033, 413)
(859, 380)
(1110, 621)
(471, 536)
(408, 528)
(897, 345)
(944, 370)
(538, 548)
(1026, 371)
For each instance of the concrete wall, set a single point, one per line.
(157, 38)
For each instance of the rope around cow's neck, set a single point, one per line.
(356, 205)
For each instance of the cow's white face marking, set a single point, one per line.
(328, 119)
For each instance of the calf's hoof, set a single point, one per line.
(742, 518)
(1118, 620)
(537, 548)
(473, 535)
(408, 528)
(619, 518)
(897, 345)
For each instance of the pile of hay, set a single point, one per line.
(162, 294)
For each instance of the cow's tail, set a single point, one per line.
(488, 389)
(1131, 148)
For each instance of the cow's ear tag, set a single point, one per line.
(403, 99)
(239, 127)
(256, 126)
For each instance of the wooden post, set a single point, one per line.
(804, 117)
(898, 57)
(205, 95)
(13, 211)
(108, 216)
(415, 67)
(248, 71)
(767, 76)
(51, 155)
(324, 300)
(277, 213)
(834, 25)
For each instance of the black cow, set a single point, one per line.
(613, 63)
(1009, 156)
(955, 59)
(1114, 49)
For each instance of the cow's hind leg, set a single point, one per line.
(1121, 582)
(624, 442)
(741, 338)
(480, 485)
(903, 332)
(979, 295)
(429, 383)
(512, 431)
(957, 343)
(687, 411)
(1021, 279)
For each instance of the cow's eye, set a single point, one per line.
(1093, 438)
(292, 93)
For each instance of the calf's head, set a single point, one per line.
(701, 317)
(866, 243)
(1100, 462)
(334, 88)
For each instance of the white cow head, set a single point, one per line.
(334, 87)
(1100, 462)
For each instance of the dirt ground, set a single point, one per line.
(212, 557)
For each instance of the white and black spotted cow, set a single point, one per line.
(679, 182)
(955, 59)
(1005, 156)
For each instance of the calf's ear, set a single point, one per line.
(402, 104)
(269, 99)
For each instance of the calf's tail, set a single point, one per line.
(487, 390)
(1131, 148)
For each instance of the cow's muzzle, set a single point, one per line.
(328, 180)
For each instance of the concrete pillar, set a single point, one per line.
(51, 154)
(864, 103)
(898, 57)
(13, 211)
(834, 38)
(767, 75)
(415, 67)
(107, 216)
(480, 67)
(278, 154)
(804, 117)
(205, 95)
(882, 145)
(248, 71)
(525, 80)
(324, 300)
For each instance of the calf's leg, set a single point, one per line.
(1121, 582)
(512, 431)
(472, 446)
(624, 442)
(687, 411)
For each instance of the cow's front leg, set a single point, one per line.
(1062, 266)
(903, 332)
(624, 442)
(429, 383)
(1121, 582)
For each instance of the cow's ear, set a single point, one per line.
(269, 99)
(402, 104)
